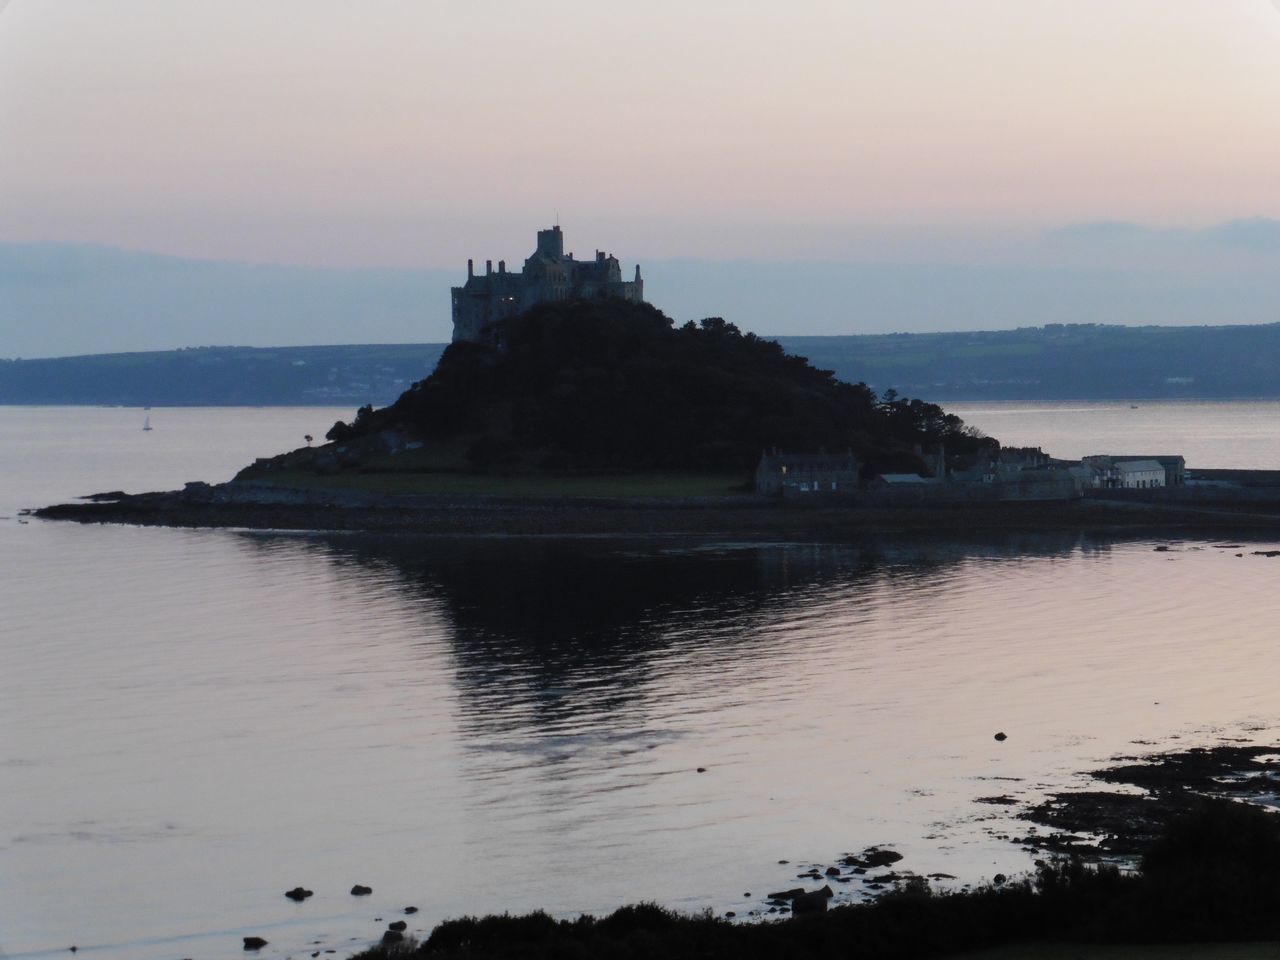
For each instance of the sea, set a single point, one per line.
(193, 722)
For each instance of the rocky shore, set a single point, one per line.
(1196, 867)
(249, 505)
(1179, 825)
(1146, 794)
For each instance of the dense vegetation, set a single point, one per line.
(1213, 876)
(604, 384)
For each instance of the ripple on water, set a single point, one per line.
(426, 716)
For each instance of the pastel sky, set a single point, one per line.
(815, 166)
(410, 133)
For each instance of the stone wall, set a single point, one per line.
(1195, 494)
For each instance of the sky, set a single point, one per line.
(1050, 135)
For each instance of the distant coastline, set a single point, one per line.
(1055, 362)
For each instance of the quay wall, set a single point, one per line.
(1190, 496)
(1193, 494)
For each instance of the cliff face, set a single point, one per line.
(611, 385)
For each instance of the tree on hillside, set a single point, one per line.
(610, 385)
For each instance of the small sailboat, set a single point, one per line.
(146, 424)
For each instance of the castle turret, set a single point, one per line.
(550, 243)
(547, 275)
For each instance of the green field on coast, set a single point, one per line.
(533, 486)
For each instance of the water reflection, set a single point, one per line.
(551, 636)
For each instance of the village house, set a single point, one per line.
(1174, 467)
(792, 474)
(1093, 476)
(1013, 462)
(1140, 474)
(1012, 473)
(1136, 471)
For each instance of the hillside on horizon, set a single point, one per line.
(1060, 362)
(1056, 362)
(59, 300)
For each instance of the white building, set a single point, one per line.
(1107, 475)
(1140, 474)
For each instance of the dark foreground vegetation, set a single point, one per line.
(609, 385)
(1212, 875)
(1125, 822)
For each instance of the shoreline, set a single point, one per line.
(1184, 861)
(1105, 827)
(262, 507)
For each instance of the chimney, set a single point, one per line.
(471, 268)
(502, 266)
(488, 267)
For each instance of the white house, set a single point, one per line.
(1107, 473)
(1140, 474)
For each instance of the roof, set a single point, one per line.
(1169, 458)
(902, 478)
(1139, 466)
(809, 459)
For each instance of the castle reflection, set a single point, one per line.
(546, 634)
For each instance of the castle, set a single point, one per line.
(548, 274)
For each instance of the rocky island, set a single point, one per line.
(602, 416)
(588, 406)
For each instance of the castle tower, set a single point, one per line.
(550, 243)
(548, 274)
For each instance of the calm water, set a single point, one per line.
(192, 722)
(1210, 434)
